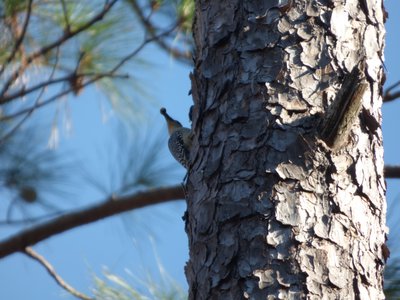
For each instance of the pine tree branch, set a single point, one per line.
(109, 207)
(66, 19)
(20, 39)
(392, 172)
(25, 91)
(94, 77)
(49, 268)
(29, 113)
(388, 95)
(183, 56)
(57, 43)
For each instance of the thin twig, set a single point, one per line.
(49, 268)
(183, 56)
(20, 38)
(25, 91)
(92, 80)
(29, 113)
(65, 37)
(107, 208)
(65, 12)
(138, 49)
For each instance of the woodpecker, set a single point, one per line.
(179, 142)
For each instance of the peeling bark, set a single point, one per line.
(273, 211)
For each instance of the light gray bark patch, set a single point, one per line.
(338, 232)
(315, 53)
(364, 180)
(374, 61)
(314, 263)
(305, 31)
(286, 278)
(265, 277)
(287, 206)
(311, 183)
(285, 27)
(358, 210)
(364, 262)
(321, 228)
(279, 237)
(375, 13)
(297, 13)
(290, 170)
(286, 97)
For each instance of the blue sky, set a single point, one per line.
(87, 250)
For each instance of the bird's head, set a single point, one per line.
(171, 123)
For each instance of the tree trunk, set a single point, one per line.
(286, 195)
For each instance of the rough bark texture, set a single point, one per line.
(274, 211)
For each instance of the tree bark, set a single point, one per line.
(286, 194)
